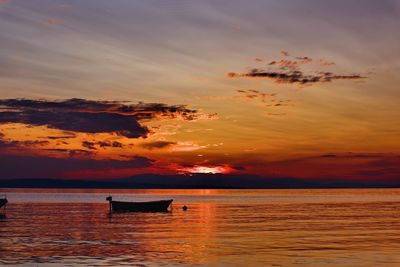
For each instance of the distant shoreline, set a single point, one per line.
(197, 181)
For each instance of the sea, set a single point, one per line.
(277, 227)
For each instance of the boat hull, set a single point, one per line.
(3, 202)
(152, 206)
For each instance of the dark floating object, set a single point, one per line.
(185, 208)
(151, 206)
(3, 202)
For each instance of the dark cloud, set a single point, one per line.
(359, 155)
(44, 167)
(328, 156)
(4, 144)
(58, 137)
(110, 144)
(19, 144)
(238, 168)
(89, 145)
(102, 144)
(80, 153)
(391, 172)
(139, 111)
(281, 103)
(289, 70)
(270, 99)
(88, 116)
(256, 94)
(295, 77)
(30, 143)
(87, 122)
(157, 144)
(67, 135)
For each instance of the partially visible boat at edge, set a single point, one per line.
(3, 202)
(150, 206)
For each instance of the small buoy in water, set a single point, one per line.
(184, 208)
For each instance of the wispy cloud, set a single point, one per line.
(285, 53)
(102, 144)
(289, 71)
(68, 153)
(158, 145)
(256, 94)
(269, 99)
(21, 144)
(295, 77)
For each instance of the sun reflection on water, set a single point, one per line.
(229, 232)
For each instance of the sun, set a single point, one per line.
(206, 169)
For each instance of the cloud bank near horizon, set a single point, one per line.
(89, 116)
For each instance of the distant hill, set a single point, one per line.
(212, 181)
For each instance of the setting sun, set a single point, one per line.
(206, 169)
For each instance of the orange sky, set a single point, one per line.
(305, 90)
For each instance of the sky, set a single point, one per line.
(105, 89)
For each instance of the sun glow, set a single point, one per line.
(206, 169)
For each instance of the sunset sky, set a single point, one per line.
(106, 89)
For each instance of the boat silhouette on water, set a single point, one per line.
(3, 202)
(150, 206)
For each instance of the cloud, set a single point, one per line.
(86, 122)
(79, 153)
(289, 71)
(89, 145)
(295, 77)
(188, 146)
(110, 144)
(350, 155)
(101, 144)
(275, 114)
(28, 146)
(51, 21)
(88, 116)
(329, 156)
(69, 136)
(285, 53)
(20, 144)
(391, 172)
(52, 167)
(256, 94)
(269, 99)
(341, 166)
(158, 145)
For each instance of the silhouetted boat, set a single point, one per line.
(3, 201)
(150, 206)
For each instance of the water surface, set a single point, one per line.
(335, 227)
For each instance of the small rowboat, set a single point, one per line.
(151, 206)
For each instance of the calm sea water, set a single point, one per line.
(357, 227)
